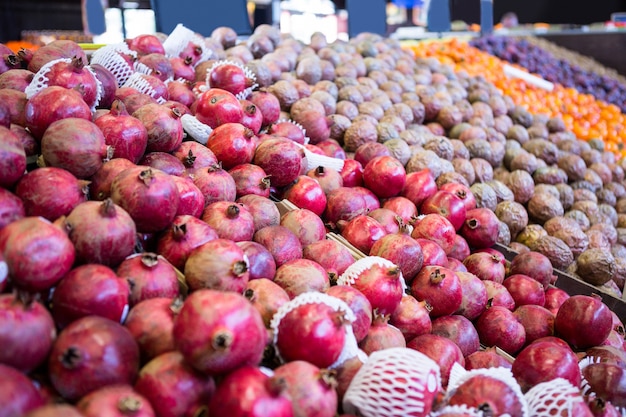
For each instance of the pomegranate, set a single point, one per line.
(50, 192)
(218, 332)
(267, 104)
(252, 117)
(344, 374)
(163, 161)
(554, 298)
(230, 77)
(583, 312)
(191, 200)
(301, 275)
(455, 265)
(91, 353)
(310, 330)
(403, 251)
(382, 335)
(433, 253)
(149, 195)
(489, 394)
(151, 322)
(52, 104)
(360, 306)
(184, 235)
(13, 159)
(370, 150)
(447, 205)
(217, 106)
(101, 232)
(165, 131)
(545, 361)
(173, 386)
(281, 159)
(497, 326)
(18, 394)
(474, 298)
(480, 228)
(419, 186)
(441, 350)
(534, 265)
(100, 186)
(434, 227)
(260, 260)
(310, 388)
(15, 103)
(498, 295)
(525, 290)
(194, 156)
(145, 44)
(344, 203)
(486, 266)
(17, 79)
(538, 322)
(72, 74)
(179, 92)
(458, 329)
(334, 257)
(379, 280)
(389, 220)
(233, 144)
(31, 146)
(606, 380)
(55, 254)
(248, 391)
(215, 184)
(307, 193)
(55, 410)
(288, 130)
(305, 224)
(328, 178)
(264, 211)
(115, 401)
(266, 296)
(183, 68)
(90, 290)
(488, 358)
(362, 232)
(27, 332)
(11, 207)
(250, 179)
(218, 264)
(385, 176)
(148, 276)
(440, 287)
(133, 100)
(282, 243)
(230, 220)
(352, 173)
(412, 317)
(402, 207)
(462, 192)
(158, 64)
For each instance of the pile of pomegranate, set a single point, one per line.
(149, 270)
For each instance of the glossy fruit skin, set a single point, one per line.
(538, 321)
(91, 353)
(163, 125)
(148, 276)
(217, 106)
(13, 162)
(218, 332)
(90, 289)
(248, 392)
(497, 326)
(480, 228)
(115, 401)
(281, 159)
(126, 134)
(219, 264)
(403, 251)
(18, 394)
(184, 235)
(385, 176)
(440, 287)
(73, 76)
(608, 381)
(307, 193)
(173, 387)
(436, 228)
(27, 332)
(483, 389)
(583, 312)
(458, 329)
(447, 205)
(440, 349)
(55, 253)
(52, 104)
(282, 243)
(544, 361)
(233, 144)
(362, 232)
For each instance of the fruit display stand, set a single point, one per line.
(244, 192)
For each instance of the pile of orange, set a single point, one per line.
(587, 117)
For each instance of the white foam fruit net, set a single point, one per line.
(352, 273)
(553, 398)
(462, 410)
(110, 58)
(40, 80)
(178, 40)
(247, 72)
(140, 84)
(458, 376)
(195, 128)
(395, 382)
(350, 348)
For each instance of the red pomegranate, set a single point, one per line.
(488, 358)
(260, 260)
(72, 74)
(382, 335)
(403, 251)
(440, 287)
(91, 353)
(282, 243)
(385, 176)
(55, 254)
(232, 221)
(191, 200)
(360, 306)
(497, 326)
(148, 276)
(115, 401)
(165, 131)
(218, 332)
(184, 235)
(266, 296)
(215, 184)
(233, 144)
(480, 228)
(100, 186)
(434, 255)
(474, 292)
(52, 104)
(11, 207)
(352, 173)
(194, 156)
(264, 211)
(459, 330)
(441, 350)
(461, 192)
(13, 159)
(145, 44)
(485, 392)
(545, 361)
(268, 105)
(251, 179)
(534, 265)
(362, 232)
(307, 193)
(281, 159)
(18, 394)
(434, 227)
(419, 186)
(126, 134)
(525, 290)
(583, 312)
(217, 106)
(485, 266)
